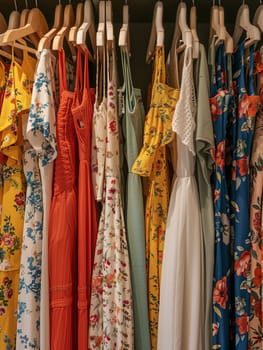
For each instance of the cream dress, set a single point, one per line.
(182, 286)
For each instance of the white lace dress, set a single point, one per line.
(182, 286)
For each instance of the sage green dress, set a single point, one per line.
(204, 141)
(133, 124)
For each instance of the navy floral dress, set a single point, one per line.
(219, 102)
(247, 107)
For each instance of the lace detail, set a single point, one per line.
(184, 115)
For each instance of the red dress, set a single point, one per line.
(63, 226)
(82, 112)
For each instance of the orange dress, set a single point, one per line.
(63, 226)
(82, 112)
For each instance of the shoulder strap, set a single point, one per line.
(86, 68)
(79, 79)
(159, 72)
(251, 89)
(62, 71)
(212, 66)
(126, 67)
(221, 71)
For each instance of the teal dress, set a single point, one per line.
(132, 124)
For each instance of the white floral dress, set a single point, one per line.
(33, 312)
(111, 318)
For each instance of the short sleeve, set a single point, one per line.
(8, 125)
(41, 127)
(158, 127)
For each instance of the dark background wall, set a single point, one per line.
(140, 18)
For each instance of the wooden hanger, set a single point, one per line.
(228, 40)
(100, 35)
(109, 25)
(215, 29)
(3, 24)
(182, 29)
(46, 40)
(79, 20)
(258, 17)
(124, 36)
(243, 24)
(13, 20)
(88, 26)
(68, 22)
(193, 26)
(23, 21)
(157, 31)
(24, 15)
(22, 45)
(13, 25)
(36, 24)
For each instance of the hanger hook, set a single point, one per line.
(15, 4)
(193, 2)
(214, 3)
(36, 3)
(26, 2)
(243, 2)
(219, 2)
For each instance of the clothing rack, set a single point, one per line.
(141, 10)
(172, 263)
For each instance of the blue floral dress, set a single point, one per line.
(219, 102)
(247, 107)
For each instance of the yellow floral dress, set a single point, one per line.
(152, 162)
(14, 114)
(4, 70)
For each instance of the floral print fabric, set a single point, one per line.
(256, 180)
(219, 102)
(28, 315)
(152, 163)
(247, 108)
(234, 108)
(38, 167)
(15, 108)
(111, 316)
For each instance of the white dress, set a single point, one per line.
(33, 314)
(182, 286)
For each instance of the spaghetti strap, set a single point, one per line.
(251, 89)
(159, 71)
(128, 84)
(100, 78)
(62, 72)
(86, 69)
(79, 79)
